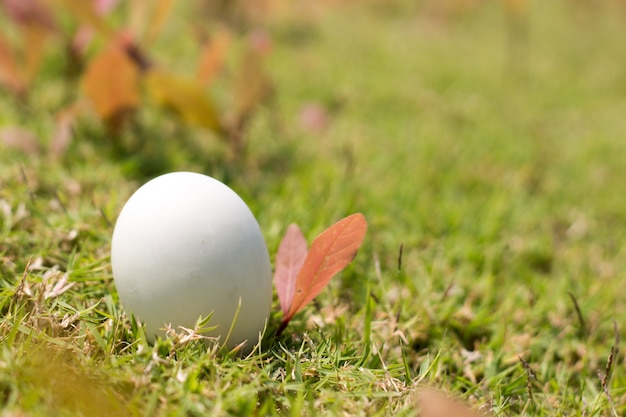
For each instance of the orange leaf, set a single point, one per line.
(111, 82)
(289, 260)
(186, 97)
(434, 403)
(9, 72)
(35, 37)
(330, 252)
(212, 56)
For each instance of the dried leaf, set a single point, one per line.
(35, 23)
(289, 260)
(186, 97)
(433, 403)
(35, 37)
(9, 73)
(111, 82)
(330, 252)
(212, 56)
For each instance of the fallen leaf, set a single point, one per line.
(434, 403)
(111, 82)
(35, 37)
(289, 260)
(10, 75)
(35, 23)
(186, 97)
(212, 56)
(330, 252)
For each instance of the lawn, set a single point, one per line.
(486, 150)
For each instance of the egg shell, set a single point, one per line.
(186, 245)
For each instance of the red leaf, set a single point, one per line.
(330, 252)
(289, 260)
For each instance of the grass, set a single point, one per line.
(490, 169)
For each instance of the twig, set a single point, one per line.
(581, 319)
(281, 328)
(605, 376)
(530, 376)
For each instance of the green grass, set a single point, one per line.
(498, 176)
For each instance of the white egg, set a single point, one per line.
(186, 245)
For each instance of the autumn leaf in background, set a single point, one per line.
(20, 61)
(213, 55)
(300, 275)
(111, 81)
(186, 97)
(10, 74)
(435, 403)
(119, 76)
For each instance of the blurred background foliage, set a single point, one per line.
(157, 83)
